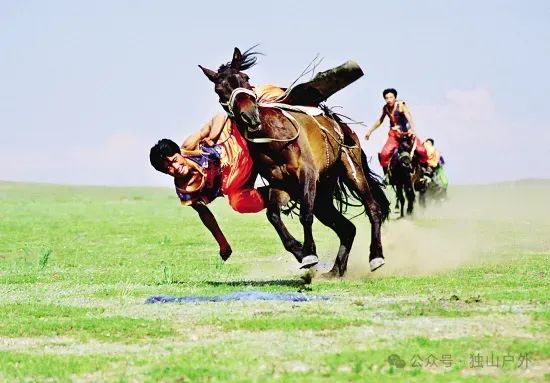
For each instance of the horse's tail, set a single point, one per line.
(376, 187)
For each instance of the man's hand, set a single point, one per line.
(209, 141)
(225, 252)
(210, 222)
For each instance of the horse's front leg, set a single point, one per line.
(400, 199)
(409, 191)
(277, 198)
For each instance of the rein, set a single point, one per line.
(413, 147)
(310, 111)
(228, 106)
(267, 140)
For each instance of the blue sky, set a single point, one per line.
(86, 87)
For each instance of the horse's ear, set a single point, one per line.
(212, 76)
(237, 58)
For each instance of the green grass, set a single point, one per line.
(48, 367)
(77, 263)
(77, 322)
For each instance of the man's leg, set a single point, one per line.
(386, 153)
(246, 201)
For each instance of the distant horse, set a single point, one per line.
(436, 187)
(303, 152)
(406, 175)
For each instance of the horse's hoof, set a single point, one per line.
(309, 261)
(376, 263)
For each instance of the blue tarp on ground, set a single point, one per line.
(237, 296)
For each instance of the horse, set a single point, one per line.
(436, 187)
(306, 155)
(406, 175)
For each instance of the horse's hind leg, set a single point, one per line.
(355, 179)
(329, 216)
(308, 181)
(291, 244)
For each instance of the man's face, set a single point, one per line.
(177, 165)
(390, 99)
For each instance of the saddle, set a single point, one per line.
(308, 96)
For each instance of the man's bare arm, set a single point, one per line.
(210, 222)
(209, 133)
(192, 142)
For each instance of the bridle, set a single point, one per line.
(229, 107)
(230, 104)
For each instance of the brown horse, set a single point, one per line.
(306, 153)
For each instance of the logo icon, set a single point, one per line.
(396, 361)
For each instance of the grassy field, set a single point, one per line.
(463, 297)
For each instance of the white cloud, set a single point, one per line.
(478, 140)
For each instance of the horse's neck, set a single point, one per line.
(287, 128)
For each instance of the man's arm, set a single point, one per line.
(210, 222)
(405, 111)
(192, 142)
(376, 125)
(209, 133)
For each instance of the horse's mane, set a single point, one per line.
(248, 60)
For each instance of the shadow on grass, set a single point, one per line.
(260, 283)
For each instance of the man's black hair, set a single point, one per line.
(389, 90)
(162, 149)
(430, 139)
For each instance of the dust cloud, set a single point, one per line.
(476, 224)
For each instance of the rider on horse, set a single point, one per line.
(401, 124)
(436, 162)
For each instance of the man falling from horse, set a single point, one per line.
(214, 162)
(226, 168)
(211, 163)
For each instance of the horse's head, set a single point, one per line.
(236, 94)
(404, 151)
